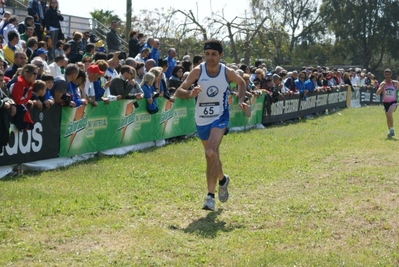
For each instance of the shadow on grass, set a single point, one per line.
(208, 226)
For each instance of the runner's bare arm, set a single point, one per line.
(183, 91)
(381, 88)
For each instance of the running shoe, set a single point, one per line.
(223, 193)
(209, 203)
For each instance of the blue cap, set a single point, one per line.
(41, 51)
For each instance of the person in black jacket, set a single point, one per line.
(75, 53)
(35, 9)
(133, 43)
(52, 18)
(7, 108)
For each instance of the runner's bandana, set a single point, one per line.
(213, 46)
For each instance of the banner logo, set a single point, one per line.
(166, 115)
(78, 124)
(126, 119)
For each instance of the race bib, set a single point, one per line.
(390, 92)
(209, 110)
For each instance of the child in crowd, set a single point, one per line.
(48, 98)
(39, 90)
(59, 49)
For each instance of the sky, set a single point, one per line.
(82, 8)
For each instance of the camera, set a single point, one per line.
(135, 104)
(67, 99)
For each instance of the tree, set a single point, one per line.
(105, 17)
(368, 28)
(294, 21)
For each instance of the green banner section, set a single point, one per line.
(90, 129)
(237, 117)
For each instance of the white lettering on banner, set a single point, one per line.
(333, 98)
(309, 103)
(376, 98)
(321, 100)
(278, 108)
(365, 96)
(34, 140)
(291, 106)
(342, 96)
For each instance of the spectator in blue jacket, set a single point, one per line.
(300, 85)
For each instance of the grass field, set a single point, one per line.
(320, 192)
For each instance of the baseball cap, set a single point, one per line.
(94, 69)
(41, 51)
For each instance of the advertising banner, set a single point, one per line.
(119, 123)
(39, 143)
(237, 115)
(296, 106)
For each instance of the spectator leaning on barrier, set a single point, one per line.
(260, 78)
(290, 81)
(48, 99)
(60, 87)
(388, 90)
(74, 88)
(149, 94)
(176, 79)
(38, 62)
(125, 85)
(21, 94)
(300, 85)
(7, 109)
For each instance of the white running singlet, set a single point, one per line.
(211, 103)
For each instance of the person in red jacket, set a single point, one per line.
(21, 93)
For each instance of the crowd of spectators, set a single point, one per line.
(279, 82)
